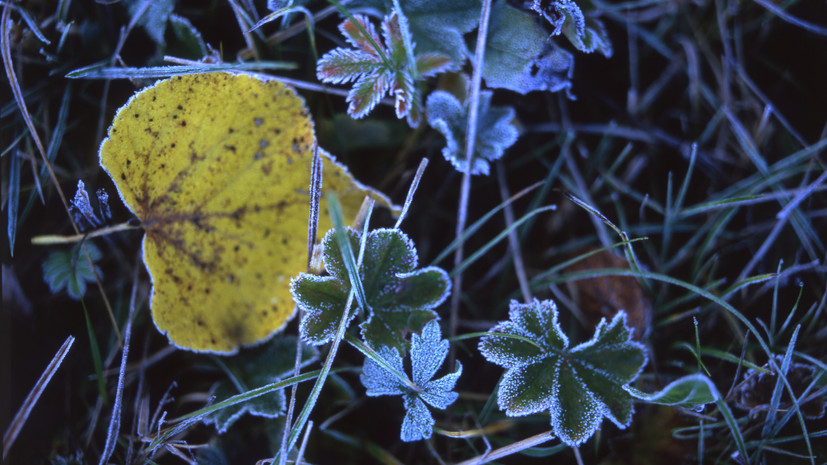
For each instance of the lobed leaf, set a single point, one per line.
(69, 270)
(400, 297)
(586, 34)
(577, 386)
(436, 25)
(519, 57)
(495, 131)
(380, 67)
(428, 353)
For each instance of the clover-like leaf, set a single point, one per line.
(578, 386)
(519, 56)
(401, 298)
(380, 66)
(428, 352)
(70, 270)
(585, 33)
(495, 131)
(254, 368)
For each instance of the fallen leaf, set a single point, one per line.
(217, 169)
(603, 296)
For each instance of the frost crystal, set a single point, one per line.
(578, 386)
(428, 352)
(82, 209)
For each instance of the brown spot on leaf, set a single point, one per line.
(267, 167)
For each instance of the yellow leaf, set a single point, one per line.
(217, 169)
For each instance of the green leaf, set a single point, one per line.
(253, 368)
(578, 386)
(400, 297)
(154, 16)
(380, 66)
(519, 57)
(495, 131)
(690, 392)
(428, 353)
(436, 25)
(69, 269)
(585, 33)
(186, 40)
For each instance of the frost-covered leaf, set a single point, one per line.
(211, 455)
(436, 25)
(70, 270)
(428, 352)
(519, 56)
(172, 34)
(578, 386)
(380, 65)
(495, 131)
(690, 392)
(254, 368)
(81, 209)
(154, 16)
(401, 298)
(586, 34)
(380, 382)
(187, 41)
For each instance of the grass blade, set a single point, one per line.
(23, 413)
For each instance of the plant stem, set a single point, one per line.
(470, 140)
